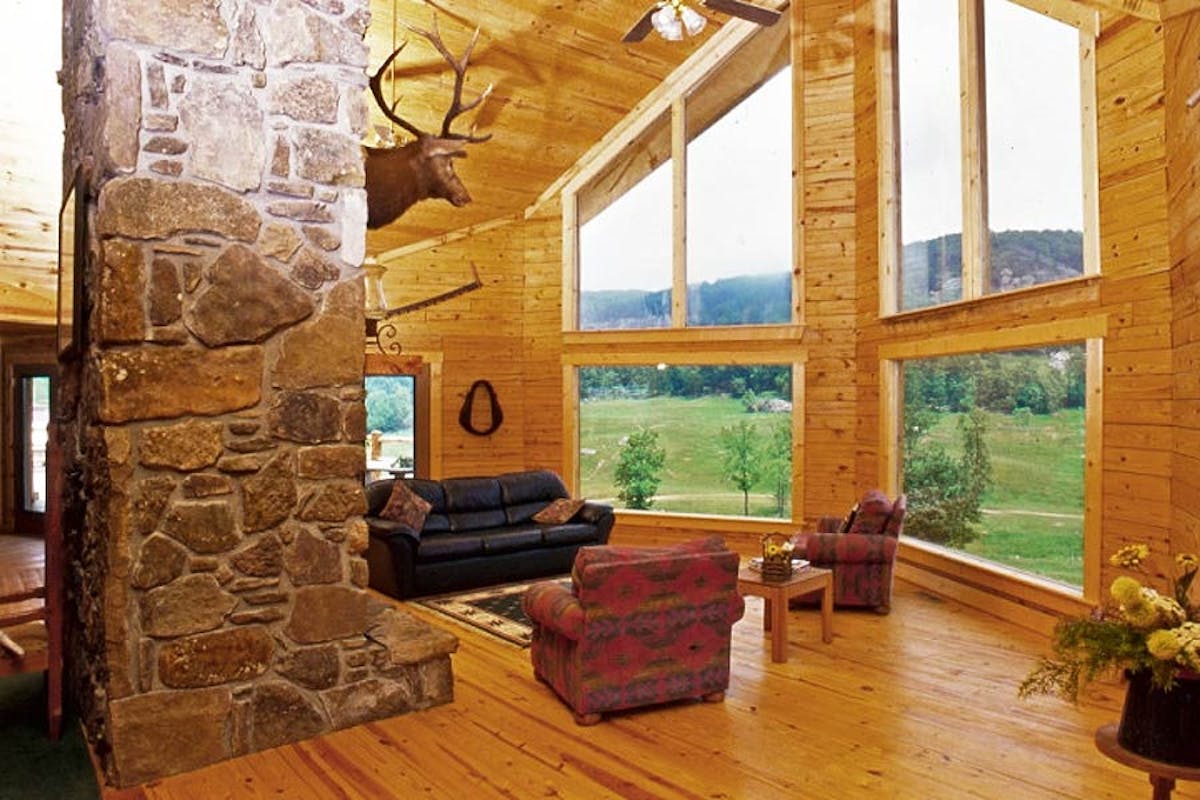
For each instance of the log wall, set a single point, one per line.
(1182, 50)
(1133, 295)
(1149, 408)
(476, 335)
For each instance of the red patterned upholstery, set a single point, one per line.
(862, 560)
(638, 626)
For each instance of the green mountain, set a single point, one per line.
(743, 300)
(932, 268)
(932, 273)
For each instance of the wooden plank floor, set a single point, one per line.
(22, 567)
(918, 704)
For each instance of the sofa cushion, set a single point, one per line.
(523, 512)
(473, 494)
(431, 491)
(559, 511)
(378, 493)
(511, 539)
(445, 546)
(475, 520)
(518, 488)
(436, 523)
(406, 506)
(570, 533)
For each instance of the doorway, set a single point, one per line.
(32, 390)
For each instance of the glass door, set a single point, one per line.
(31, 424)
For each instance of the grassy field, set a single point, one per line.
(1033, 518)
(688, 430)
(1033, 512)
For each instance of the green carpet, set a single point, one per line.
(31, 766)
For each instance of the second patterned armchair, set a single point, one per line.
(860, 549)
(638, 626)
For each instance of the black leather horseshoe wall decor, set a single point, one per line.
(464, 416)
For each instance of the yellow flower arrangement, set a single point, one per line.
(1141, 630)
(777, 550)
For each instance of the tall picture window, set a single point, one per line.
(992, 115)
(993, 453)
(682, 438)
(691, 224)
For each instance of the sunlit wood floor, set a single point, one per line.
(918, 704)
(22, 567)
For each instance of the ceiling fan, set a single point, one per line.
(673, 18)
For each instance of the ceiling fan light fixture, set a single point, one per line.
(693, 21)
(666, 22)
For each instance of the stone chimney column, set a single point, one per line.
(217, 579)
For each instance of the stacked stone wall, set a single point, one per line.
(219, 600)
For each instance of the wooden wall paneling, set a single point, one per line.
(1182, 78)
(1125, 313)
(542, 340)
(474, 336)
(824, 55)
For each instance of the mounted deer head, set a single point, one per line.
(398, 177)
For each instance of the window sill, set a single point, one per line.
(1037, 594)
(705, 522)
(1087, 285)
(650, 338)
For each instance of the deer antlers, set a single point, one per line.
(457, 107)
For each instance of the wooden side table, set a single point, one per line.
(1162, 775)
(776, 594)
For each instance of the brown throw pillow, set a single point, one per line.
(406, 506)
(558, 511)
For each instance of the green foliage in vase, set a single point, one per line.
(1140, 629)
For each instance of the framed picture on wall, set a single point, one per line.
(72, 253)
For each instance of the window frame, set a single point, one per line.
(426, 367)
(975, 238)
(577, 358)
(670, 100)
(991, 576)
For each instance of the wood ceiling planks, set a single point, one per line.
(563, 78)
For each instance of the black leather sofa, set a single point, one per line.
(479, 532)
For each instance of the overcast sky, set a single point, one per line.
(742, 226)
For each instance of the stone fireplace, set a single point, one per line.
(214, 426)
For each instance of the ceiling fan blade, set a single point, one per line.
(642, 28)
(736, 8)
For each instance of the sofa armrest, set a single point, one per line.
(391, 554)
(847, 548)
(553, 606)
(591, 513)
(385, 528)
(598, 514)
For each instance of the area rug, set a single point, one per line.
(31, 766)
(495, 610)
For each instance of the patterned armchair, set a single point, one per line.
(638, 626)
(861, 550)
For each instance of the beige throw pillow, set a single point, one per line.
(558, 511)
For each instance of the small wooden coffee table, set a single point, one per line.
(776, 594)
